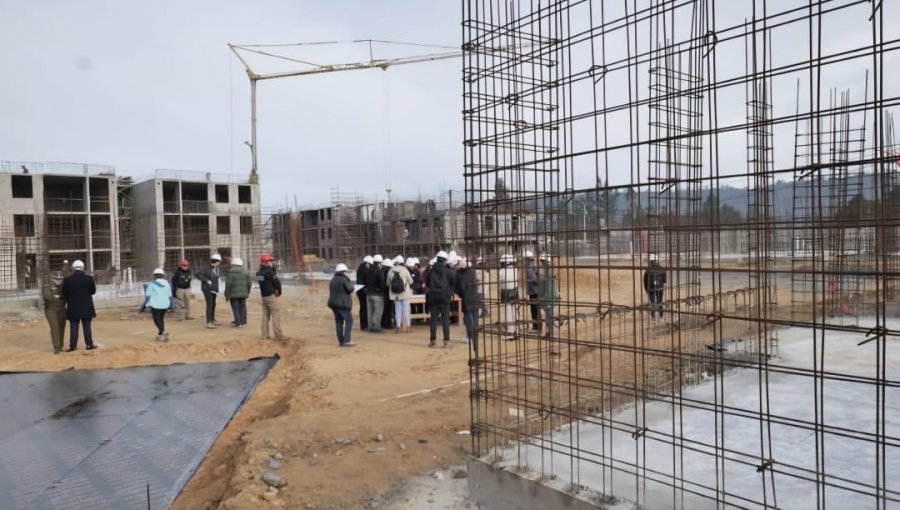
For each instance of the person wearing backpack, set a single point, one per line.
(400, 290)
(440, 286)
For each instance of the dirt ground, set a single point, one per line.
(350, 427)
(347, 425)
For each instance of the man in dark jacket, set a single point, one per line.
(441, 283)
(376, 285)
(467, 289)
(361, 293)
(209, 285)
(340, 300)
(654, 285)
(181, 286)
(78, 290)
(531, 283)
(387, 314)
(270, 290)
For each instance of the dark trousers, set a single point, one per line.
(159, 318)
(239, 309)
(535, 312)
(73, 333)
(363, 310)
(656, 302)
(441, 309)
(343, 323)
(210, 299)
(470, 319)
(387, 317)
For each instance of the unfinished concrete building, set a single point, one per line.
(768, 377)
(190, 215)
(53, 212)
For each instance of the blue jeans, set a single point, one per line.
(470, 319)
(343, 322)
(239, 309)
(402, 314)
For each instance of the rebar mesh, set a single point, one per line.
(750, 146)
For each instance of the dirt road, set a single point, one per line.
(346, 425)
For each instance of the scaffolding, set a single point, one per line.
(625, 129)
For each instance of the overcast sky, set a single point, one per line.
(153, 85)
(147, 85)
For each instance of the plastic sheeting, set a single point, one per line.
(99, 438)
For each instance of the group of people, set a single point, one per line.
(69, 298)
(162, 295)
(384, 288)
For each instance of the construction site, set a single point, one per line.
(748, 149)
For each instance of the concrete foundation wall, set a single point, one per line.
(498, 488)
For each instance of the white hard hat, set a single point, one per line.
(158, 270)
(398, 260)
(441, 255)
(529, 254)
(463, 262)
(378, 258)
(654, 257)
(545, 257)
(237, 261)
(340, 268)
(78, 265)
(216, 256)
(411, 262)
(452, 255)
(432, 261)
(368, 259)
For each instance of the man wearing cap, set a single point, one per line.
(209, 285)
(376, 286)
(55, 310)
(237, 289)
(361, 272)
(340, 300)
(78, 290)
(654, 285)
(181, 284)
(270, 290)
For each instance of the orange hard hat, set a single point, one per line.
(184, 263)
(265, 257)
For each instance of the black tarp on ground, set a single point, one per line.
(94, 439)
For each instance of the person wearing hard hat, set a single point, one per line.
(467, 289)
(159, 298)
(181, 284)
(415, 271)
(508, 282)
(485, 287)
(387, 314)
(441, 285)
(376, 286)
(340, 300)
(400, 290)
(548, 291)
(78, 290)
(361, 273)
(55, 310)
(237, 289)
(654, 286)
(209, 285)
(270, 290)
(531, 285)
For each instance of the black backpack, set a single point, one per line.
(438, 284)
(397, 285)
